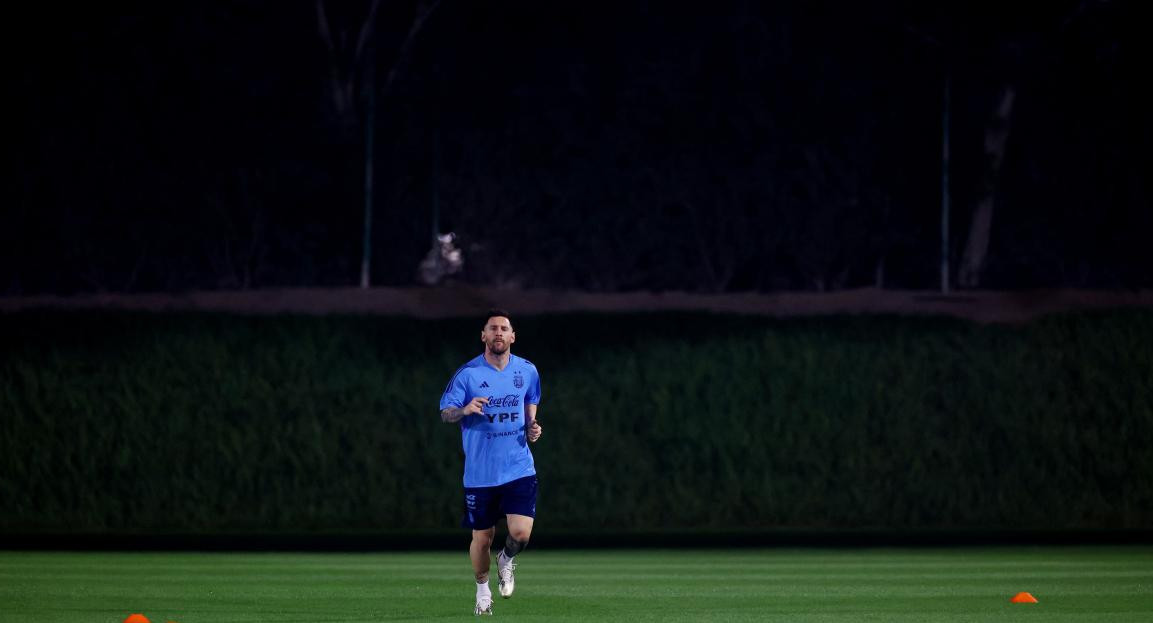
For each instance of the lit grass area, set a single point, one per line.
(969, 584)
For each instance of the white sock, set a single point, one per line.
(502, 560)
(482, 589)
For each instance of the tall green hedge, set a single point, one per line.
(206, 423)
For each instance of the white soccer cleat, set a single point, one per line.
(507, 581)
(483, 606)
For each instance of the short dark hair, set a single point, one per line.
(496, 311)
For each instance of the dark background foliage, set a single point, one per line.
(130, 423)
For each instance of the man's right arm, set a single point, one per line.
(451, 414)
(456, 414)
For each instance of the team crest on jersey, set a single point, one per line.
(517, 380)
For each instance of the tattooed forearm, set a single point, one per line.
(451, 415)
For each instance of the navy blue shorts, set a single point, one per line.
(483, 506)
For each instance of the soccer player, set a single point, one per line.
(494, 397)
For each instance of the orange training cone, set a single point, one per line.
(136, 618)
(1019, 598)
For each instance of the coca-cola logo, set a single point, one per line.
(511, 400)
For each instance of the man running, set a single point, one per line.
(494, 397)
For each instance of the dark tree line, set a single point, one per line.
(609, 147)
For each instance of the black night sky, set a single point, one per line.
(719, 146)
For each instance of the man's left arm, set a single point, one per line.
(532, 429)
(531, 400)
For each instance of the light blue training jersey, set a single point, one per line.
(495, 448)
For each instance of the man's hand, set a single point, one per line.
(474, 407)
(533, 431)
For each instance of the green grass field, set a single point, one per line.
(965, 584)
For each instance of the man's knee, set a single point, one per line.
(520, 527)
(484, 537)
(520, 533)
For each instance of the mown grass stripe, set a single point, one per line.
(1073, 584)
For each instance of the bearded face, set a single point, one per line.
(498, 335)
